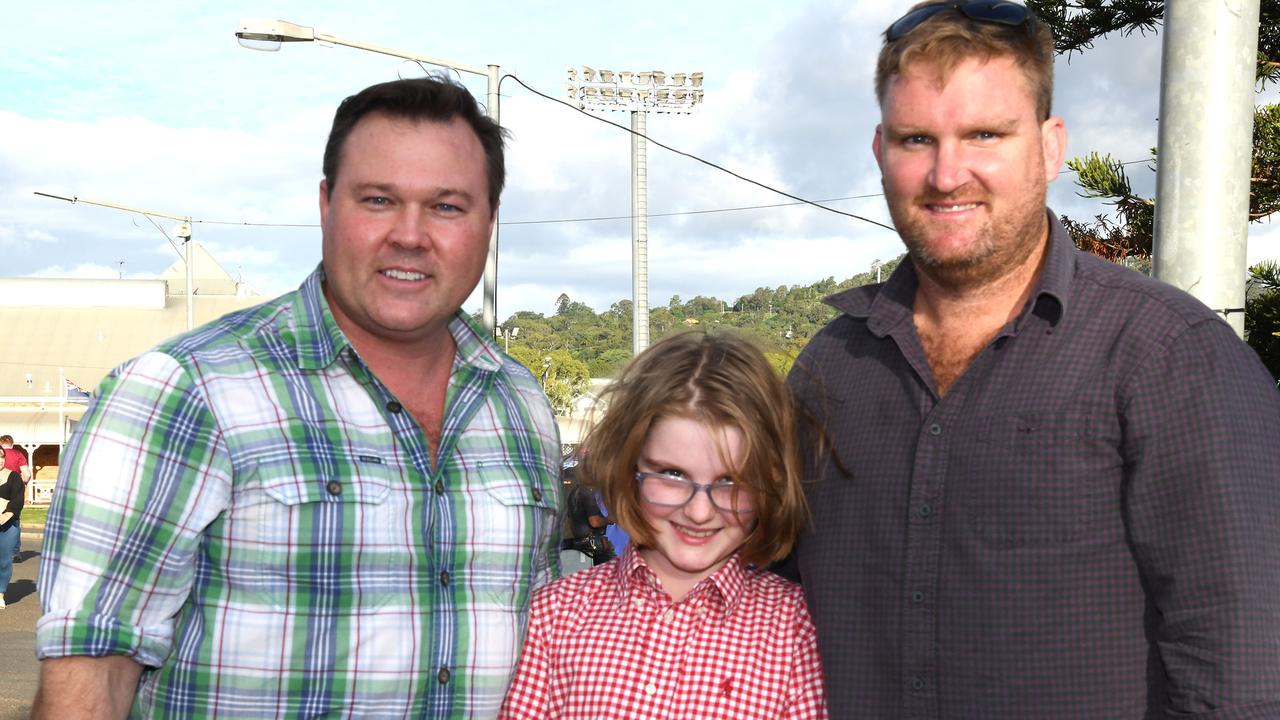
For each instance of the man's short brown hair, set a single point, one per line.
(949, 37)
(720, 380)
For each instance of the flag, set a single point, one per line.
(75, 393)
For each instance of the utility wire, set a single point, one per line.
(691, 156)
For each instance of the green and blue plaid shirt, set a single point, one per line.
(249, 513)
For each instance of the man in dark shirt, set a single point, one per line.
(1047, 485)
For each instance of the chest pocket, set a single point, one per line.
(322, 535)
(514, 517)
(1042, 481)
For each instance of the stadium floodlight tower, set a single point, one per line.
(266, 34)
(638, 93)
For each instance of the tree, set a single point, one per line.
(1128, 234)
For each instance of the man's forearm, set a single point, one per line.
(72, 688)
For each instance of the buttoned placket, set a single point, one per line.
(926, 513)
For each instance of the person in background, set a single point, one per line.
(697, 457)
(12, 497)
(337, 503)
(1063, 486)
(15, 461)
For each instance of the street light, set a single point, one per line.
(638, 93)
(507, 332)
(268, 35)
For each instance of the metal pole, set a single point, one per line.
(639, 235)
(184, 232)
(490, 312)
(1206, 131)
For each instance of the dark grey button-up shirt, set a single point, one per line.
(1086, 526)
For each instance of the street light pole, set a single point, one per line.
(184, 232)
(638, 93)
(266, 34)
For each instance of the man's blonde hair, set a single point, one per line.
(949, 37)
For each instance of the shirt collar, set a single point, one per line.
(724, 588)
(887, 306)
(319, 340)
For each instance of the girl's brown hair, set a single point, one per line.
(721, 380)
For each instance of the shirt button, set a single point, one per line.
(439, 487)
(639, 604)
(443, 675)
(394, 407)
(666, 616)
(935, 429)
(917, 597)
(917, 683)
(926, 510)
(537, 494)
(334, 487)
(650, 689)
(444, 577)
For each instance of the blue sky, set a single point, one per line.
(155, 105)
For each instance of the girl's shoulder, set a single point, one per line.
(770, 589)
(579, 588)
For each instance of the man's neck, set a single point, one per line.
(416, 372)
(956, 320)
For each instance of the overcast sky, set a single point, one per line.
(155, 105)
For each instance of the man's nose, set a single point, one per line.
(950, 169)
(411, 228)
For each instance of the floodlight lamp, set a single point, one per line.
(588, 74)
(697, 79)
(659, 77)
(573, 75)
(679, 95)
(662, 95)
(608, 92)
(589, 91)
(606, 76)
(643, 77)
(267, 34)
(678, 78)
(626, 76)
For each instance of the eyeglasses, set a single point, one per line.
(674, 491)
(993, 11)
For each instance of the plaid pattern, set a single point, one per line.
(1087, 525)
(248, 512)
(608, 643)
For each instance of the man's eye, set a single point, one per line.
(916, 140)
(987, 135)
(448, 208)
(378, 200)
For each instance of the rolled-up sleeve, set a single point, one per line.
(143, 476)
(1202, 502)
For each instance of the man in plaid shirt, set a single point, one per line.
(334, 504)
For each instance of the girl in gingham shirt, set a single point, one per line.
(697, 461)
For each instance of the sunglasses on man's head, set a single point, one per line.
(1002, 12)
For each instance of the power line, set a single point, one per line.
(691, 156)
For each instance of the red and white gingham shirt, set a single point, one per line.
(608, 643)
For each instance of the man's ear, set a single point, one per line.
(875, 148)
(324, 201)
(1053, 141)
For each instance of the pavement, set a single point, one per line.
(21, 670)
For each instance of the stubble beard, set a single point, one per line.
(997, 247)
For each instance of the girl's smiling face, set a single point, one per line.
(693, 541)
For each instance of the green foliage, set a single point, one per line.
(577, 343)
(563, 377)
(1262, 314)
(1077, 24)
